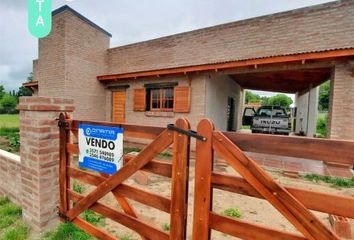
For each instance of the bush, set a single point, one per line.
(232, 212)
(321, 126)
(8, 104)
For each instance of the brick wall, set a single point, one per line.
(341, 102)
(39, 136)
(322, 27)
(70, 58)
(161, 119)
(10, 176)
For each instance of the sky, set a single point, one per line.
(128, 21)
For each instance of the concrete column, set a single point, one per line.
(307, 110)
(341, 109)
(39, 136)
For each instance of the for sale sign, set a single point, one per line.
(100, 148)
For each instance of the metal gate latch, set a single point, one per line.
(189, 133)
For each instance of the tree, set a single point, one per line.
(8, 103)
(252, 97)
(278, 100)
(2, 91)
(23, 91)
(323, 100)
(30, 77)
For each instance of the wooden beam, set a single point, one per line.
(299, 147)
(317, 201)
(235, 64)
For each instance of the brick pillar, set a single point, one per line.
(341, 110)
(39, 136)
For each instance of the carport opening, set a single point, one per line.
(302, 93)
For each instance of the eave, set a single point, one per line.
(301, 58)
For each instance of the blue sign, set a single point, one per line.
(100, 148)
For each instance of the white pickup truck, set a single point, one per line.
(267, 119)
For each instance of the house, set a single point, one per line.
(203, 73)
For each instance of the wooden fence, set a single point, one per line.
(293, 203)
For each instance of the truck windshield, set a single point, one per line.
(276, 112)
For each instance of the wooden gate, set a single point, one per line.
(162, 138)
(292, 203)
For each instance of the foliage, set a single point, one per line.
(252, 97)
(2, 91)
(8, 104)
(334, 181)
(323, 99)
(23, 91)
(67, 231)
(232, 212)
(278, 100)
(92, 217)
(18, 232)
(13, 139)
(77, 187)
(166, 227)
(321, 125)
(30, 77)
(11, 226)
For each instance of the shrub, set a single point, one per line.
(334, 181)
(166, 227)
(232, 212)
(321, 127)
(67, 231)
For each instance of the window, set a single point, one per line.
(161, 99)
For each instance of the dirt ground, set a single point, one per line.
(253, 210)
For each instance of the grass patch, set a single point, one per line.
(11, 226)
(166, 227)
(93, 218)
(18, 232)
(232, 212)
(79, 188)
(334, 181)
(246, 127)
(321, 125)
(11, 139)
(67, 231)
(9, 121)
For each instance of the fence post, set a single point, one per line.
(203, 192)
(180, 174)
(39, 138)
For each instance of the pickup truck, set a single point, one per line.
(267, 119)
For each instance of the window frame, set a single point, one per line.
(162, 99)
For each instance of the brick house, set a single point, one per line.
(203, 73)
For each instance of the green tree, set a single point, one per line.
(252, 97)
(278, 100)
(2, 91)
(323, 99)
(8, 103)
(30, 77)
(23, 91)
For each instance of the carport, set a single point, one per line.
(299, 80)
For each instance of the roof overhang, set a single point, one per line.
(300, 58)
(33, 84)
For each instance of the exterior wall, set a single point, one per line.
(341, 112)
(318, 28)
(161, 119)
(218, 89)
(307, 109)
(39, 135)
(69, 60)
(10, 176)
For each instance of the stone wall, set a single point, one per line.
(10, 176)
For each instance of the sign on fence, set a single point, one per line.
(100, 148)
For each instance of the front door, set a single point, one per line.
(118, 106)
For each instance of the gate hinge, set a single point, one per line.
(63, 216)
(189, 133)
(63, 123)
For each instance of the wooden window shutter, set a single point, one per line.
(182, 96)
(139, 99)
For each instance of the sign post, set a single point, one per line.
(100, 148)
